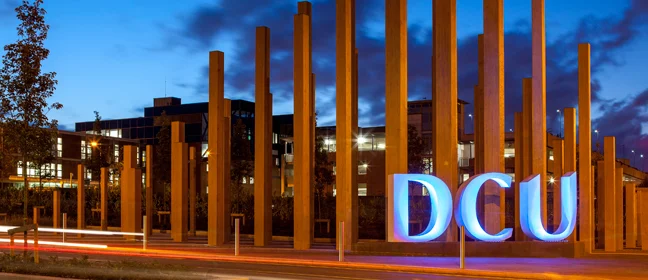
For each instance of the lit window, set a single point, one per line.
(244, 180)
(59, 147)
(138, 155)
(362, 169)
(251, 180)
(116, 153)
(83, 149)
(362, 189)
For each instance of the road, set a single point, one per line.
(232, 270)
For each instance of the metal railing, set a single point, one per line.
(24, 229)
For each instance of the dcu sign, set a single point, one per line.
(465, 207)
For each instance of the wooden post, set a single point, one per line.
(104, 198)
(585, 181)
(149, 190)
(263, 141)
(179, 180)
(610, 194)
(80, 198)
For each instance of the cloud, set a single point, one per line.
(231, 28)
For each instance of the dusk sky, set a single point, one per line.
(114, 56)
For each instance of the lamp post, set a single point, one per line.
(634, 158)
(597, 139)
(643, 167)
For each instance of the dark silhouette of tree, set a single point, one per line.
(26, 90)
(242, 165)
(415, 151)
(100, 155)
(323, 173)
(162, 162)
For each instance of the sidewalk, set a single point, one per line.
(161, 246)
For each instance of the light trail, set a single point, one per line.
(52, 243)
(78, 231)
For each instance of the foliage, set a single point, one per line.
(415, 151)
(282, 216)
(100, 157)
(162, 162)
(241, 167)
(323, 174)
(25, 90)
(371, 220)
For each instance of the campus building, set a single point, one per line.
(71, 149)
(142, 131)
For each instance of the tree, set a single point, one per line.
(241, 164)
(415, 151)
(25, 90)
(100, 155)
(323, 173)
(162, 162)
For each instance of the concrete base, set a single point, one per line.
(524, 249)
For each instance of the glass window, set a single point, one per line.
(116, 153)
(59, 147)
(362, 169)
(251, 180)
(509, 152)
(83, 149)
(362, 189)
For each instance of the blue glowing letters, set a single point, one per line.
(440, 204)
(465, 208)
(530, 216)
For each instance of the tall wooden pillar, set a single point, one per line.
(149, 190)
(600, 203)
(518, 142)
(80, 197)
(494, 110)
(585, 182)
(227, 159)
(304, 125)
(56, 207)
(527, 125)
(192, 190)
(631, 215)
(479, 124)
(642, 209)
(539, 101)
(618, 198)
(569, 151)
(558, 166)
(346, 123)
(104, 198)
(444, 98)
(609, 192)
(179, 180)
(218, 212)
(131, 193)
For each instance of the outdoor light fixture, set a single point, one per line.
(466, 210)
(440, 204)
(552, 180)
(93, 144)
(362, 140)
(530, 217)
(365, 165)
(381, 146)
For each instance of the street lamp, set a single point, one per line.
(643, 167)
(634, 158)
(597, 139)
(94, 144)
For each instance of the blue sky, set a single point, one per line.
(114, 56)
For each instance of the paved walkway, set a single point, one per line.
(619, 266)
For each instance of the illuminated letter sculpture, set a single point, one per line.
(398, 220)
(530, 218)
(466, 210)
